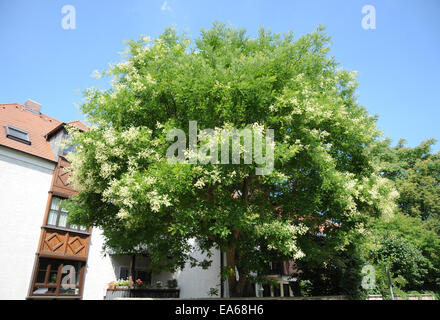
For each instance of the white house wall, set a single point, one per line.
(197, 282)
(24, 184)
(105, 268)
(102, 269)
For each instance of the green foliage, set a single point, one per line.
(416, 172)
(409, 242)
(305, 288)
(339, 274)
(409, 249)
(172, 283)
(325, 165)
(213, 292)
(403, 259)
(121, 283)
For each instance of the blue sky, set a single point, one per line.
(398, 62)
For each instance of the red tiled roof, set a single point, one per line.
(79, 125)
(38, 126)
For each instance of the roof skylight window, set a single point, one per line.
(17, 134)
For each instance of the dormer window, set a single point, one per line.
(17, 134)
(68, 148)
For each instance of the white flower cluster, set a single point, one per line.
(157, 201)
(289, 231)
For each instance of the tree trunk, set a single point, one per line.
(132, 271)
(236, 288)
(232, 282)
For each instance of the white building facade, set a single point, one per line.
(24, 182)
(42, 256)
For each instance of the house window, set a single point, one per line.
(68, 148)
(58, 216)
(56, 277)
(145, 276)
(123, 273)
(17, 134)
(276, 268)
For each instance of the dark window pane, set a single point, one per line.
(53, 276)
(286, 290)
(17, 134)
(144, 276)
(123, 273)
(41, 276)
(69, 275)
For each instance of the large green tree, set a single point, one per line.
(408, 248)
(409, 242)
(416, 173)
(324, 151)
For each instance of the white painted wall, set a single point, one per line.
(103, 269)
(100, 269)
(193, 282)
(196, 282)
(24, 184)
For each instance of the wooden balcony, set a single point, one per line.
(64, 243)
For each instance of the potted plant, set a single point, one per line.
(112, 285)
(123, 284)
(138, 283)
(53, 278)
(172, 283)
